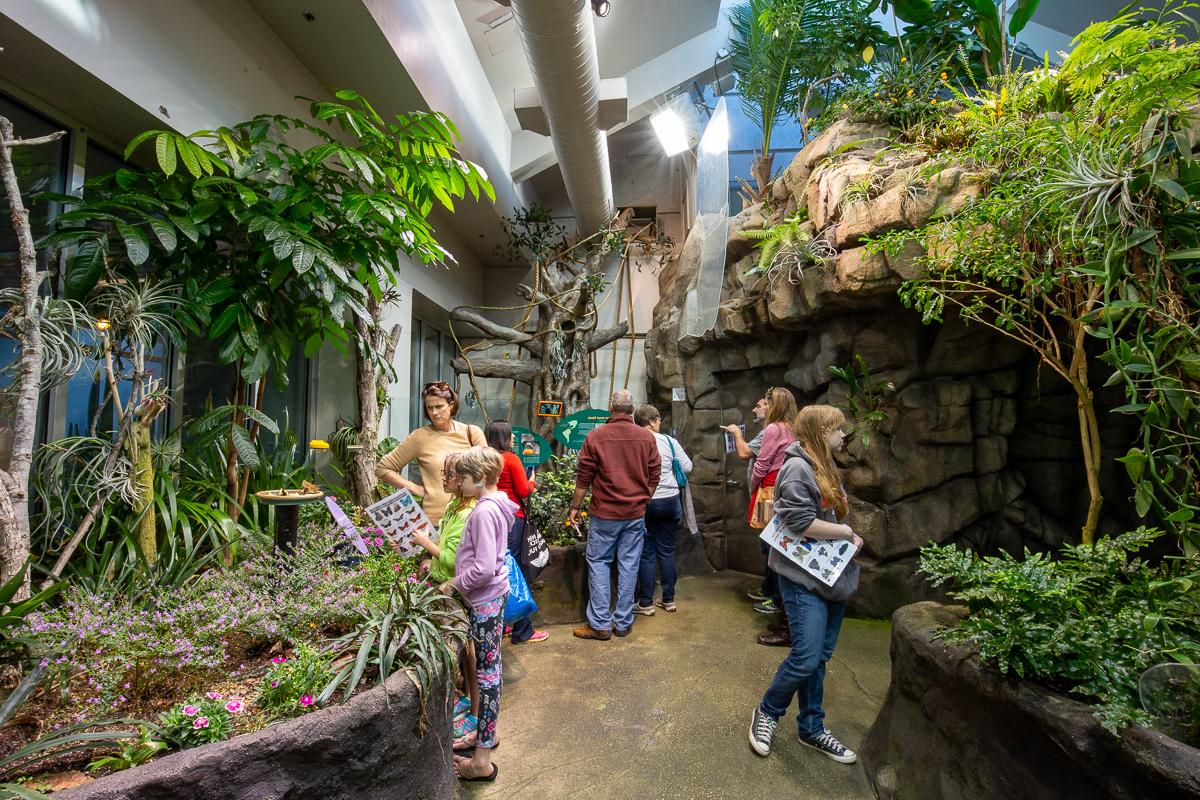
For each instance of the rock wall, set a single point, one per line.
(372, 747)
(979, 445)
(952, 728)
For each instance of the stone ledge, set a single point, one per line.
(367, 749)
(952, 727)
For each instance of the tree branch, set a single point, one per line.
(504, 368)
(497, 331)
(608, 336)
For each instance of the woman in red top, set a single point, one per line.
(517, 486)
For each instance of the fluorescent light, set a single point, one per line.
(671, 131)
(716, 134)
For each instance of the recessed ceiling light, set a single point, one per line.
(601, 7)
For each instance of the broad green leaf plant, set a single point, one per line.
(283, 231)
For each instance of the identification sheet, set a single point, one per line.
(824, 559)
(398, 515)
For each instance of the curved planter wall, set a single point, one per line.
(952, 727)
(368, 748)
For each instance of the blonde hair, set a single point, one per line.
(781, 406)
(482, 464)
(812, 425)
(449, 467)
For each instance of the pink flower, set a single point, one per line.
(278, 660)
(378, 541)
(215, 696)
(233, 706)
(275, 683)
(306, 700)
(201, 722)
(397, 567)
(191, 711)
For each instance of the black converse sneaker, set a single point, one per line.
(762, 731)
(828, 744)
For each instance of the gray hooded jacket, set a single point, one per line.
(797, 504)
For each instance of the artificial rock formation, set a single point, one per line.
(972, 422)
(952, 727)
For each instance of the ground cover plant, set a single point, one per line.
(234, 649)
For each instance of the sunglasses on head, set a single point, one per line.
(436, 386)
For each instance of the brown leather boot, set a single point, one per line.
(588, 632)
(775, 639)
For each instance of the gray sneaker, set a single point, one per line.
(762, 731)
(766, 607)
(828, 744)
(643, 610)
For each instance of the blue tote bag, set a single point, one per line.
(520, 603)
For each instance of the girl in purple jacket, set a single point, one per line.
(481, 577)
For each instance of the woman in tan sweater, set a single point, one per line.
(428, 446)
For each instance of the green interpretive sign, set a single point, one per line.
(532, 449)
(574, 428)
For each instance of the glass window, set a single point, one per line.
(89, 387)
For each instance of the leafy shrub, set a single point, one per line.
(1088, 623)
(131, 753)
(198, 722)
(550, 505)
(291, 684)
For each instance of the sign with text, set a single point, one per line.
(574, 428)
(532, 449)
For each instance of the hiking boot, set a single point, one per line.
(588, 632)
(647, 611)
(762, 731)
(766, 607)
(828, 744)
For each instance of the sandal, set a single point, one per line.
(484, 778)
(466, 741)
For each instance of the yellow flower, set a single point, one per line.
(583, 513)
(943, 76)
(903, 59)
(910, 92)
(845, 105)
(933, 101)
(318, 444)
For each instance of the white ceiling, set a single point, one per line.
(634, 32)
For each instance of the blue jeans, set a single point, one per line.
(609, 538)
(522, 629)
(814, 623)
(662, 521)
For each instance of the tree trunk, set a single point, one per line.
(14, 512)
(364, 460)
(761, 170)
(140, 458)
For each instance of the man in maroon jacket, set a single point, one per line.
(620, 463)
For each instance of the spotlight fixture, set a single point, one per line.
(102, 324)
(601, 7)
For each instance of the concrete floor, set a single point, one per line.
(665, 712)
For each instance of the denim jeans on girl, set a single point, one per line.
(522, 629)
(608, 539)
(814, 623)
(662, 521)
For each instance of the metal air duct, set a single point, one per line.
(560, 45)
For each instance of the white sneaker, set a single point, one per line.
(647, 611)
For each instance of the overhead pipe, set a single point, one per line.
(560, 46)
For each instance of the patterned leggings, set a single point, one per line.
(487, 631)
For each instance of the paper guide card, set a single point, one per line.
(398, 515)
(824, 559)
